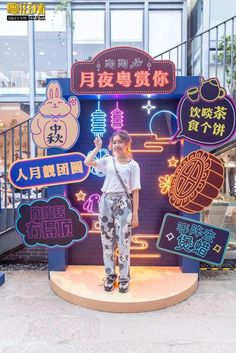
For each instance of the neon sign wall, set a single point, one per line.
(157, 156)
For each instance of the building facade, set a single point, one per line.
(33, 51)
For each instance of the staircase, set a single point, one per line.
(211, 53)
(16, 142)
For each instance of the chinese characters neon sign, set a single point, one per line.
(123, 70)
(51, 170)
(51, 222)
(206, 115)
(193, 239)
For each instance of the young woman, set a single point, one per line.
(117, 213)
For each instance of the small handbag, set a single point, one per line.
(121, 180)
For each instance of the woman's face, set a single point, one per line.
(119, 147)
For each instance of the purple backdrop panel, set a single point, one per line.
(153, 155)
(52, 222)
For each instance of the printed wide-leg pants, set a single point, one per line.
(115, 211)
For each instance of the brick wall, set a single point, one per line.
(27, 254)
(153, 205)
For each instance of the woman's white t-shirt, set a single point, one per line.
(129, 172)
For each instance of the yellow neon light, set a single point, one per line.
(164, 183)
(80, 196)
(146, 256)
(137, 239)
(172, 162)
(155, 137)
(97, 225)
(150, 146)
(141, 244)
(88, 214)
(217, 248)
(142, 256)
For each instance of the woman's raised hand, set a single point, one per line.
(98, 142)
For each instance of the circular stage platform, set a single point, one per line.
(151, 288)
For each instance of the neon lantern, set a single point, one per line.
(98, 123)
(172, 119)
(117, 117)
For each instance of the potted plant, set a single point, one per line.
(227, 54)
(64, 6)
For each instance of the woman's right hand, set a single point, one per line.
(98, 142)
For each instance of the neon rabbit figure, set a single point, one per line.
(56, 123)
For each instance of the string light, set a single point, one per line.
(98, 122)
(117, 117)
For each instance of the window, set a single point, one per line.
(222, 211)
(220, 13)
(89, 34)
(50, 49)
(229, 160)
(127, 28)
(14, 56)
(164, 32)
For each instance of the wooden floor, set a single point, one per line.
(151, 288)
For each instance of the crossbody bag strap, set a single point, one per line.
(120, 179)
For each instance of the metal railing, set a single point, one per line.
(211, 53)
(15, 143)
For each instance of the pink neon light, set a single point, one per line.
(91, 205)
(117, 118)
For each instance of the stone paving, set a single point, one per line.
(34, 320)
